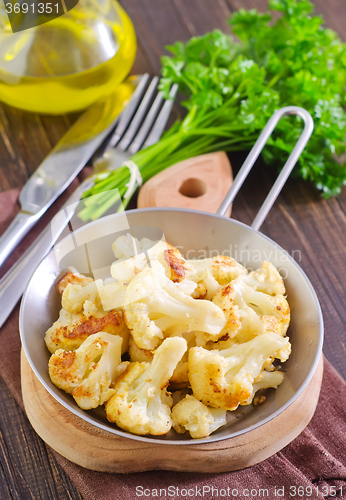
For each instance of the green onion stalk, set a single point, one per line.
(203, 130)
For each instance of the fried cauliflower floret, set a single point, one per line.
(251, 306)
(138, 354)
(103, 296)
(141, 403)
(74, 296)
(213, 272)
(208, 274)
(133, 255)
(180, 377)
(225, 379)
(89, 372)
(266, 380)
(174, 264)
(155, 308)
(71, 330)
(72, 277)
(266, 279)
(193, 416)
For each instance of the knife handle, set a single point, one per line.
(18, 228)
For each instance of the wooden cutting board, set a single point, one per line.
(199, 183)
(96, 449)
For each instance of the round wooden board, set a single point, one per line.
(96, 449)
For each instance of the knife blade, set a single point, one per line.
(13, 284)
(64, 163)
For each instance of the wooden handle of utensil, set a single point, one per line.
(199, 183)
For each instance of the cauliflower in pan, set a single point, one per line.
(71, 330)
(134, 255)
(214, 272)
(141, 403)
(180, 377)
(208, 274)
(73, 277)
(156, 308)
(89, 372)
(83, 313)
(104, 296)
(266, 380)
(266, 279)
(207, 329)
(225, 379)
(193, 416)
(253, 304)
(75, 295)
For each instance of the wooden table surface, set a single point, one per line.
(301, 221)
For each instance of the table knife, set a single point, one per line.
(64, 163)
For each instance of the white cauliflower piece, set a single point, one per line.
(71, 330)
(266, 380)
(74, 277)
(75, 295)
(212, 273)
(133, 256)
(224, 379)
(104, 296)
(266, 279)
(156, 308)
(89, 372)
(111, 295)
(193, 416)
(251, 305)
(127, 246)
(139, 355)
(180, 377)
(141, 403)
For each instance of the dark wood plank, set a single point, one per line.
(28, 470)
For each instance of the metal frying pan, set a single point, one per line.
(192, 232)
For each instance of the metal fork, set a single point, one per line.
(139, 126)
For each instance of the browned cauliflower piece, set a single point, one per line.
(208, 274)
(155, 308)
(141, 403)
(174, 264)
(89, 372)
(225, 379)
(71, 330)
(137, 354)
(253, 304)
(266, 380)
(73, 277)
(133, 255)
(193, 416)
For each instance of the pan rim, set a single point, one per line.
(154, 440)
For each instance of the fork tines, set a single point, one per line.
(144, 119)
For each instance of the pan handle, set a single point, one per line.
(254, 154)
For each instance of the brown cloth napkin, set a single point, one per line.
(317, 458)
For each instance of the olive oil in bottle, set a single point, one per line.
(68, 63)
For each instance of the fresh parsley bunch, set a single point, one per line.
(233, 87)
